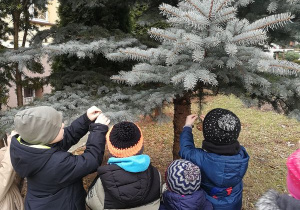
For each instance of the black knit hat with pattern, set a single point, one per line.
(221, 127)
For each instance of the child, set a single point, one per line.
(10, 196)
(222, 161)
(272, 200)
(39, 153)
(129, 181)
(182, 189)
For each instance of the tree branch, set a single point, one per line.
(221, 6)
(211, 7)
(197, 8)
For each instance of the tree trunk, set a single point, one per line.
(18, 75)
(157, 111)
(19, 92)
(182, 108)
(27, 23)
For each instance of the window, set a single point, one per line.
(38, 15)
(28, 92)
(28, 95)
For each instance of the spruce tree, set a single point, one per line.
(208, 47)
(4, 81)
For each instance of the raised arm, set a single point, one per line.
(188, 150)
(78, 128)
(74, 167)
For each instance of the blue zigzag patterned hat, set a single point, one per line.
(183, 177)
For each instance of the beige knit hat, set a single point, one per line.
(39, 125)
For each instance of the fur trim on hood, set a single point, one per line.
(268, 201)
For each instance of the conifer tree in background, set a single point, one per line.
(207, 47)
(262, 8)
(18, 12)
(4, 80)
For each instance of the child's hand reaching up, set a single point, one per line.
(93, 113)
(102, 119)
(190, 120)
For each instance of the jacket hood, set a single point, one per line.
(27, 160)
(135, 164)
(229, 170)
(272, 200)
(195, 201)
(125, 186)
(268, 201)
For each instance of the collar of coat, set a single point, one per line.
(134, 164)
(38, 146)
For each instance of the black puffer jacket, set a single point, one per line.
(54, 175)
(124, 190)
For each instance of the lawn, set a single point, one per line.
(267, 136)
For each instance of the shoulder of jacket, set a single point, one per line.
(268, 201)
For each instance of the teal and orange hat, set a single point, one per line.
(125, 139)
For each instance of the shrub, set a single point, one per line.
(291, 56)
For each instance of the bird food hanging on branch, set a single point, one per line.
(199, 124)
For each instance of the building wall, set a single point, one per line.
(52, 11)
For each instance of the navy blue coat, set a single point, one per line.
(195, 201)
(221, 175)
(54, 176)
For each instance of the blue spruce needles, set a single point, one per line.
(205, 41)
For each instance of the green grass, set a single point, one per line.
(266, 136)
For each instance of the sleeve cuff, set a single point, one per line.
(97, 126)
(188, 126)
(86, 119)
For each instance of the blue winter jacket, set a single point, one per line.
(221, 175)
(54, 176)
(195, 201)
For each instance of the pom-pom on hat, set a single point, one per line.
(124, 139)
(183, 177)
(293, 174)
(221, 127)
(38, 125)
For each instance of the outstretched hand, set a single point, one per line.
(102, 119)
(93, 113)
(190, 119)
